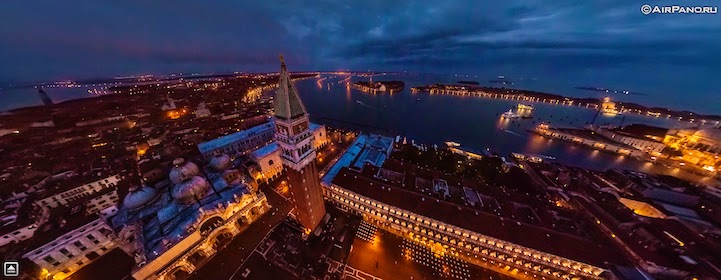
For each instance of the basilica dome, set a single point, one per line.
(187, 190)
(182, 170)
(220, 162)
(139, 197)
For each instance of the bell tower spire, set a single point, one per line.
(298, 154)
(287, 102)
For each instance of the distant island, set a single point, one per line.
(501, 81)
(468, 83)
(606, 90)
(380, 86)
(499, 92)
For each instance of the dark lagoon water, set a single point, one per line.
(472, 121)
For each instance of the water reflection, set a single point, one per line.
(594, 154)
(474, 122)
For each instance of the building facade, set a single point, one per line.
(320, 138)
(298, 154)
(647, 145)
(73, 250)
(269, 165)
(14, 233)
(470, 246)
(446, 227)
(698, 146)
(100, 201)
(586, 138)
(254, 138)
(239, 142)
(80, 192)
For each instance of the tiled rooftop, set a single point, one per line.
(553, 242)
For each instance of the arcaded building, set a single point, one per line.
(413, 202)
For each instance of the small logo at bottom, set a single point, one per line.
(11, 269)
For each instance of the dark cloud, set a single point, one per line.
(50, 39)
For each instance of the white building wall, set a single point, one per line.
(83, 190)
(270, 166)
(320, 137)
(25, 232)
(101, 202)
(591, 143)
(18, 235)
(648, 146)
(69, 252)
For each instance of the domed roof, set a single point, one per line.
(713, 133)
(182, 170)
(139, 197)
(188, 190)
(220, 162)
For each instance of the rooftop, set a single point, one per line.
(561, 244)
(287, 103)
(166, 222)
(314, 126)
(55, 187)
(642, 130)
(590, 135)
(265, 150)
(223, 141)
(365, 149)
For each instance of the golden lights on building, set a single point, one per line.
(697, 146)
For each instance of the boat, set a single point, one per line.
(510, 115)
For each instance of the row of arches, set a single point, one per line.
(217, 238)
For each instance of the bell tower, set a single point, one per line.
(298, 155)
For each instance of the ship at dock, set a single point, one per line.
(522, 111)
(522, 106)
(510, 115)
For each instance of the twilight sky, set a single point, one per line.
(600, 43)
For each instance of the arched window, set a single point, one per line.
(270, 162)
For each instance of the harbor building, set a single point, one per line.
(698, 146)
(295, 138)
(589, 138)
(642, 137)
